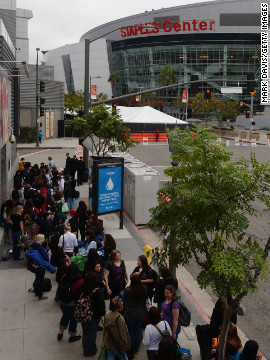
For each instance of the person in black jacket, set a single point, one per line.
(69, 187)
(81, 211)
(73, 221)
(90, 287)
(145, 273)
(73, 166)
(166, 278)
(80, 171)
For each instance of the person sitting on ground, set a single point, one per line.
(113, 315)
(154, 331)
(68, 241)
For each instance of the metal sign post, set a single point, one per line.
(108, 179)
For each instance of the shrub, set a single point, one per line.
(27, 135)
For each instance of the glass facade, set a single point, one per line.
(139, 68)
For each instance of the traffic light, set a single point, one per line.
(247, 114)
(42, 86)
(207, 94)
(250, 84)
(41, 111)
(114, 105)
(42, 101)
(194, 88)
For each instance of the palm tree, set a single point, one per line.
(167, 76)
(113, 79)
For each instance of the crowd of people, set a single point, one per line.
(90, 270)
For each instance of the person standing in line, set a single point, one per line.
(166, 278)
(153, 331)
(115, 275)
(40, 136)
(68, 241)
(81, 211)
(67, 167)
(72, 277)
(51, 163)
(80, 171)
(114, 315)
(73, 166)
(144, 271)
(38, 283)
(90, 288)
(69, 187)
(157, 134)
(135, 311)
(16, 220)
(170, 310)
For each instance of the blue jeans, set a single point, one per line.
(67, 319)
(89, 337)
(135, 331)
(16, 245)
(112, 353)
(69, 202)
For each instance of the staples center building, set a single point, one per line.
(215, 39)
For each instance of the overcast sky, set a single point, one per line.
(59, 22)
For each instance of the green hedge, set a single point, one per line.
(27, 135)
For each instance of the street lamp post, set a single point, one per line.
(37, 130)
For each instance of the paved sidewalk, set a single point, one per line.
(54, 143)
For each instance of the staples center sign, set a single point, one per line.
(168, 26)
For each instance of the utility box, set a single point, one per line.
(141, 184)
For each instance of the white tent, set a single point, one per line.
(146, 115)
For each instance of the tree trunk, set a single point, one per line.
(227, 313)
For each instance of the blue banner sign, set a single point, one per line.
(109, 189)
(222, 98)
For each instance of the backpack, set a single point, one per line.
(65, 292)
(83, 312)
(27, 220)
(184, 314)
(112, 329)
(164, 332)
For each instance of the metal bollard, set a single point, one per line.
(147, 253)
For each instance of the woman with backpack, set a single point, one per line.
(166, 278)
(135, 296)
(115, 334)
(89, 289)
(67, 289)
(146, 274)
(170, 310)
(155, 331)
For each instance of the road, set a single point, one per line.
(256, 322)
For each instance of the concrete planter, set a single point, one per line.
(256, 136)
(243, 135)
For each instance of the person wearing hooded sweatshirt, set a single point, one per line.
(38, 283)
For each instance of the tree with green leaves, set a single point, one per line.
(167, 76)
(113, 79)
(74, 102)
(202, 107)
(224, 109)
(106, 130)
(206, 210)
